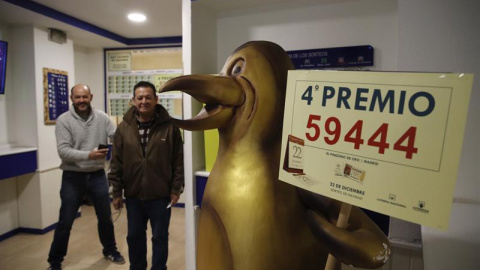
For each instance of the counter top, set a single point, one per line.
(10, 150)
(202, 173)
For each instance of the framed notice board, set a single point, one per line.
(55, 94)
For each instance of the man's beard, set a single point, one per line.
(76, 106)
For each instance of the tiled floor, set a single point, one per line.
(28, 251)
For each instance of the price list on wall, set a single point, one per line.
(120, 90)
(127, 67)
(55, 94)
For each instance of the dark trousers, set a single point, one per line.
(138, 214)
(74, 187)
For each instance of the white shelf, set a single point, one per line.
(10, 150)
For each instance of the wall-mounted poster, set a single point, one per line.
(3, 65)
(55, 94)
(333, 58)
(127, 67)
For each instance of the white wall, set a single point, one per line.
(203, 41)
(80, 56)
(50, 183)
(21, 105)
(8, 205)
(51, 55)
(443, 36)
(298, 27)
(89, 69)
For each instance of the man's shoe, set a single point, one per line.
(52, 267)
(115, 257)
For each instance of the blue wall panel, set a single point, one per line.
(13, 165)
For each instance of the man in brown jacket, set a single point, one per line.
(147, 165)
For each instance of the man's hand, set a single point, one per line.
(118, 203)
(98, 154)
(174, 199)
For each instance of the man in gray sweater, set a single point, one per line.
(79, 133)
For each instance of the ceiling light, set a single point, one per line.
(136, 17)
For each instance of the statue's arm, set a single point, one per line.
(360, 244)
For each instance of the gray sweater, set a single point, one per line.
(77, 137)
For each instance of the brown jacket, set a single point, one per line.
(160, 172)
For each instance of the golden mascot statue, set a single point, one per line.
(250, 220)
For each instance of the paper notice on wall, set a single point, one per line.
(119, 61)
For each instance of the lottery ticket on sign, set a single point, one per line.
(353, 173)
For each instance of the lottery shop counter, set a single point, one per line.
(15, 161)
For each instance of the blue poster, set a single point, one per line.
(56, 90)
(327, 58)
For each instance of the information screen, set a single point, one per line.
(3, 65)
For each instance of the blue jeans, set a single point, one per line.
(74, 187)
(138, 214)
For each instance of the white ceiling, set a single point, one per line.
(164, 17)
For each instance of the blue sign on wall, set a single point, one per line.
(340, 57)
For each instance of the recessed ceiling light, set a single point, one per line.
(136, 17)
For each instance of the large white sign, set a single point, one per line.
(384, 141)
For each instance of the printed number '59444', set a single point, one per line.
(333, 127)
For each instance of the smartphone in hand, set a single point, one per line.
(102, 146)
